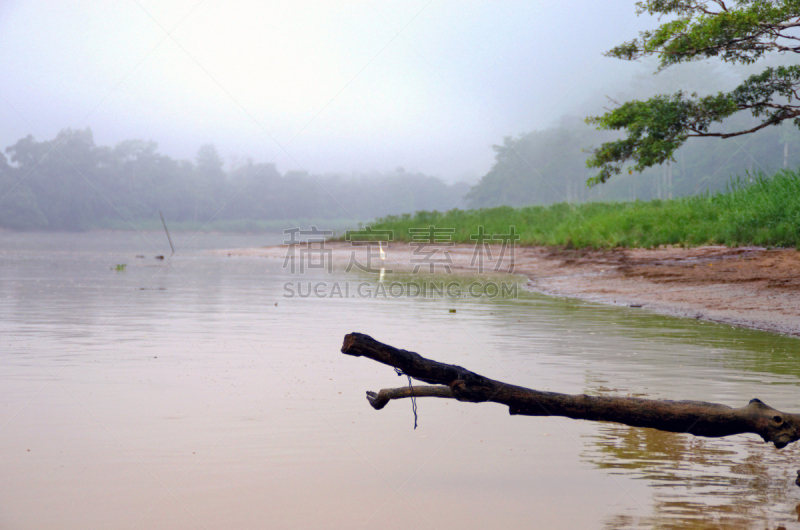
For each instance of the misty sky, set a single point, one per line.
(319, 86)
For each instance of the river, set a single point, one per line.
(192, 392)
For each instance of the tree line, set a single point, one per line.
(70, 183)
(549, 166)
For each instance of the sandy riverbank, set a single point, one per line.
(751, 286)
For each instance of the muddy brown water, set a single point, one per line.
(177, 394)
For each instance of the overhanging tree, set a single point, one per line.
(739, 32)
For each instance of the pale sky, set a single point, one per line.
(319, 86)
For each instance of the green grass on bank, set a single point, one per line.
(757, 210)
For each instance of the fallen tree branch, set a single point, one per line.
(379, 400)
(694, 417)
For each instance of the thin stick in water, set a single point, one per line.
(167, 231)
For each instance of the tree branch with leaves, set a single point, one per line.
(738, 32)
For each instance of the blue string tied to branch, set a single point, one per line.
(413, 397)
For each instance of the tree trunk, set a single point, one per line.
(785, 155)
(669, 183)
(694, 417)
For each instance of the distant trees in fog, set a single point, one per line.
(549, 166)
(70, 183)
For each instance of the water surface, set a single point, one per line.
(190, 393)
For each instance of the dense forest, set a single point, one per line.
(549, 166)
(70, 183)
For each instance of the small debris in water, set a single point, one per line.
(452, 310)
(159, 257)
(635, 305)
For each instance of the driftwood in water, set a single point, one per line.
(694, 417)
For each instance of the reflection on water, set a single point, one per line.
(190, 393)
(697, 482)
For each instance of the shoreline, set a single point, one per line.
(747, 286)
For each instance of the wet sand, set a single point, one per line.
(747, 286)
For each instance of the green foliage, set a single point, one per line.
(741, 32)
(549, 166)
(655, 129)
(755, 210)
(744, 32)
